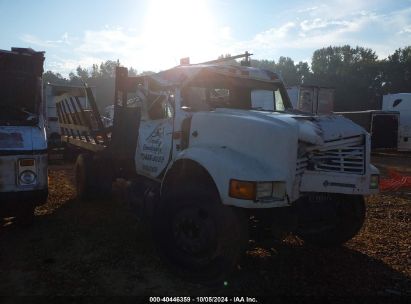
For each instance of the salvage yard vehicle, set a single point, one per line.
(23, 143)
(400, 102)
(207, 147)
(50, 93)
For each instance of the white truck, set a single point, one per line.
(202, 155)
(23, 143)
(400, 102)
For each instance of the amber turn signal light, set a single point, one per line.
(242, 189)
(28, 162)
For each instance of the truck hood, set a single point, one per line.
(24, 138)
(312, 129)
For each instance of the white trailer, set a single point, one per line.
(400, 102)
(23, 143)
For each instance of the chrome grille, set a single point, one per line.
(345, 155)
(302, 164)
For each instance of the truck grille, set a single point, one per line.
(302, 164)
(344, 155)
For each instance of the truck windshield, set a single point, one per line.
(198, 98)
(19, 98)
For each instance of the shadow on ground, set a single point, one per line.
(99, 248)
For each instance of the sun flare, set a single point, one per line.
(180, 28)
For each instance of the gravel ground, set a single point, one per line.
(99, 248)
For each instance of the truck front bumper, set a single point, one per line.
(330, 182)
(318, 182)
(13, 201)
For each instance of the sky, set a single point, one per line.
(154, 34)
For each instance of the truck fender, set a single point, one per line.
(223, 164)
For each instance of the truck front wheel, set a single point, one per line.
(330, 220)
(198, 236)
(92, 182)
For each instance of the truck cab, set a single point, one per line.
(23, 143)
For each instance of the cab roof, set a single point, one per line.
(184, 74)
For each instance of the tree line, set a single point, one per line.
(101, 76)
(360, 79)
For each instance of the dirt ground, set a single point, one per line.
(99, 248)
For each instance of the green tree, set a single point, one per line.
(264, 64)
(83, 74)
(288, 71)
(285, 67)
(95, 71)
(303, 72)
(350, 71)
(397, 70)
(54, 78)
(108, 68)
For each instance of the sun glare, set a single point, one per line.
(179, 28)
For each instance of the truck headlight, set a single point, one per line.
(279, 190)
(264, 190)
(270, 190)
(257, 191)
(374, 181)
(27, 177)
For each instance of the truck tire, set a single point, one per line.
(348, 218)
(102, 177)
(83, 175)
(200, 238)
(91, 182)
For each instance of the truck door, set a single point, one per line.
(155, 137)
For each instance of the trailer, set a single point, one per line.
(382, 125)
(401, 103)
(205, 147)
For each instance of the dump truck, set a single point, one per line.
(50, 92)
(23, 142)
(208, 150)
